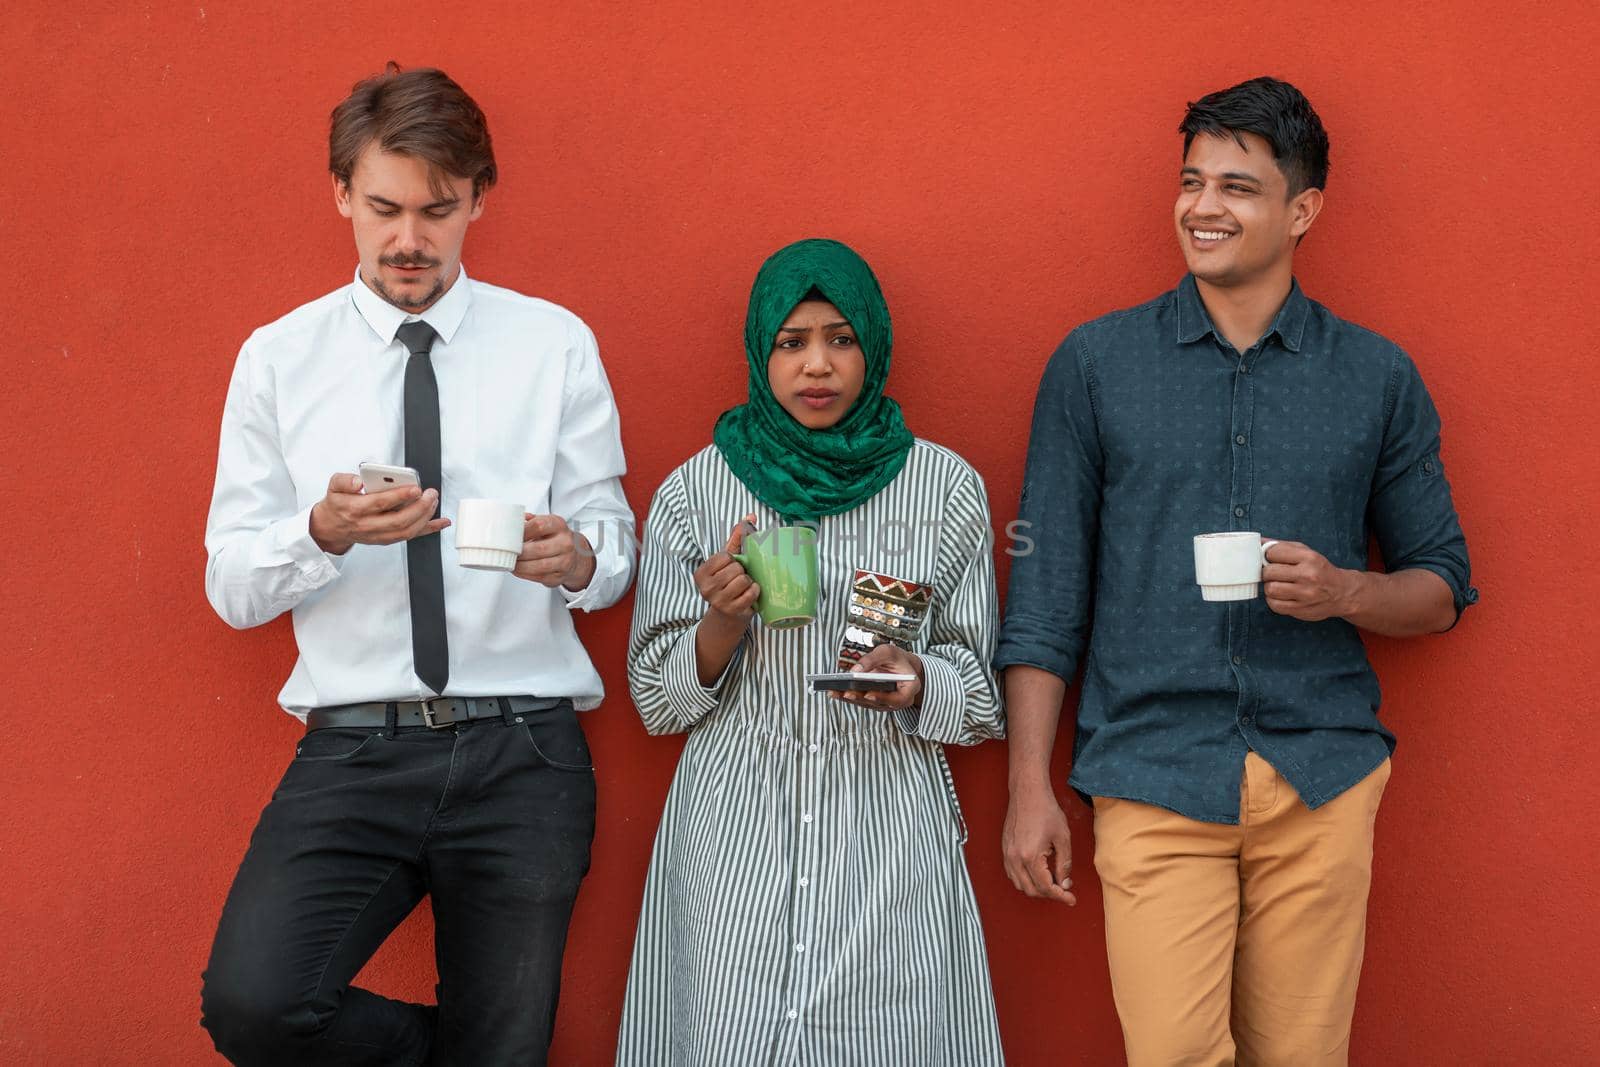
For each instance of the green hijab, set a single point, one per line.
(800, 473)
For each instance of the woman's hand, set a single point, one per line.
(730, 598)
(889, 659)
(727, 590)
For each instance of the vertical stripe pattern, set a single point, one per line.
(808, 899)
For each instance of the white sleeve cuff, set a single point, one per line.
(292, 537)
(594, 596)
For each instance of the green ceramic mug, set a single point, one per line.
(783, 562)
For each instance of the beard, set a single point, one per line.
(405, 303)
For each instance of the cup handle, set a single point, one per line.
(1264, 546)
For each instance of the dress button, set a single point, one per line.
(1238, 439)
(1238, 512)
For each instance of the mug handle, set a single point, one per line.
(1264, 546)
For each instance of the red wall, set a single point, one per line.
(1008, 173)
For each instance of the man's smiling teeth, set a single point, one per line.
(1209, 235)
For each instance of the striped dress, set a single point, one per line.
(808, 899)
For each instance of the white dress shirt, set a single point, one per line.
(525, 414)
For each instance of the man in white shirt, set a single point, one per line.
(443, 754)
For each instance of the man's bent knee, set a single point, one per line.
(250, 1023)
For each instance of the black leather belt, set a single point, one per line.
(435, 713)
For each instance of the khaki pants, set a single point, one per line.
(1238, 944)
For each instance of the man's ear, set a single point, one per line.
(477, 205)
(1303, 211)
(341, 196)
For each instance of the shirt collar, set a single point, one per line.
(1194, 322)
(445, 316)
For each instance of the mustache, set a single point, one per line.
(408, 261)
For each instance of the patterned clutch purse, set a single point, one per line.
(882, 608)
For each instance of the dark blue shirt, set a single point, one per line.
(1150, 428)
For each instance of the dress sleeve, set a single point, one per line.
(667, 610)
(960, 700)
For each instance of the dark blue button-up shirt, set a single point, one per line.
(1150, 428)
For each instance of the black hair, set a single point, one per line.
(1273, 110)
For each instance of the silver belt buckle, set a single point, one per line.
(428, 712)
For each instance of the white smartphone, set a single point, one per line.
(376, 477)
(857, 681)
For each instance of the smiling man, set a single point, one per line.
(1232, 751)
(442, 754)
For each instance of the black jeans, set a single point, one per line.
(493, 818)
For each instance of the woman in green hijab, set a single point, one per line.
(808, 898)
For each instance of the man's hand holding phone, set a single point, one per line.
(349, 516)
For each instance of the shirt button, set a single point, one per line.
(798, 947)
(1239, 512)
(806, 817)
(1238, 660)
(1239, 439)
(811, 748)
(804, 882)
(793, 1014)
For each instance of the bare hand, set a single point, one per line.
(889, 659)
(730, 593)
(553, 553)
(1301, 583)
(347, 516)
(1036, 845)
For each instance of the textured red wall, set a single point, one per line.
(1009, 172)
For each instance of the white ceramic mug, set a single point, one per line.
(1227, 566)
(488, 534)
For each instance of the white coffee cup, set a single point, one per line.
(1227, 566)
(488, 534)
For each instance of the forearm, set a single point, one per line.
(607, 551)
(1033, 714)
(323, 533)
(1403, 604)
(716, 639)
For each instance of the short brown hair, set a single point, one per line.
(420, 113)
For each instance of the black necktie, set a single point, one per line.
(430, 646)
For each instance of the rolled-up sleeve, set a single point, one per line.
(960, 700)
(1049, 598)
(1410, 511)
(662, 675)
